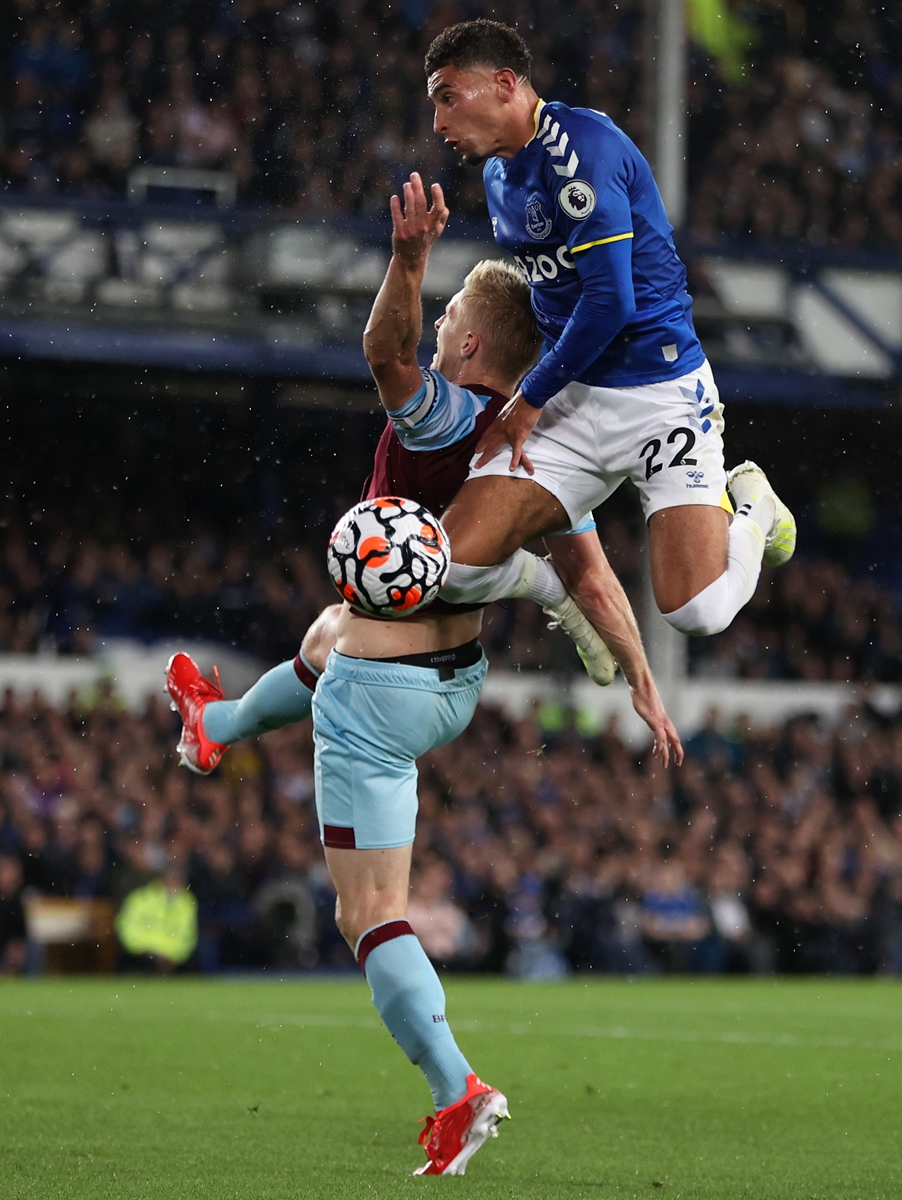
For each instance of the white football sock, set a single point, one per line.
(762, 512)
(522, 576)
(712, 610)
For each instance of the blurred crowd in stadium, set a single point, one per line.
(542, 847)
(321, 109)
(810, 621)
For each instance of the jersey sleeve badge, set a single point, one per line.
(577, 198)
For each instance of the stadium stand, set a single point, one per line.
(192, 206)
(319, 108)
(71, 593)
(540, 850)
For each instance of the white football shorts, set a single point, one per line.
(666, 437)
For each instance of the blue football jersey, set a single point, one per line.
(579, 210)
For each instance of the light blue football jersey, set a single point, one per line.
(579, 209)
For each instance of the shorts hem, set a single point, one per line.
(372, 846)
(649, 510)
(574, 515)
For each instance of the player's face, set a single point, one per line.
(469, 111)
(451, 331)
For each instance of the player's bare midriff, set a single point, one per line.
(362, 637)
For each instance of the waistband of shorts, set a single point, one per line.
(446, 662)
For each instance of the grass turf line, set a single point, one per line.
(171, 1089)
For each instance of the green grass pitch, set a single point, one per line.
(673, 1088)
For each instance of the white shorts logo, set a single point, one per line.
(577, 199)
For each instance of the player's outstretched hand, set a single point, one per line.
(416, 225)
(647, 704)
(511, 427)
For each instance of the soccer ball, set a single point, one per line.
(388, 557)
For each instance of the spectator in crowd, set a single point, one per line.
(442, 925)
(157, 922)
(673, 918)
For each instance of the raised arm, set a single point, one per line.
(393, 331)
(588, 577)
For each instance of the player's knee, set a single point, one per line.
(694, 627)
(345, 927)
(705, 614)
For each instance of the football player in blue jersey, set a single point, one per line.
(623, 389)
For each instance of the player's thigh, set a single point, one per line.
(569, 451)
(668, 437)
(372, 886)
(687, 552)
(372, 721)
(364, 764)
(492, 516)
(671, 445)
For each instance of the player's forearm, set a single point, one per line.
(605, 306)
(393, 331)
(588, 577)
(606, 605)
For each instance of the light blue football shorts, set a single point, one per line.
(371, 721)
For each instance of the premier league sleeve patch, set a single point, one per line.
(577, 198)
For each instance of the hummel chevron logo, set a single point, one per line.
(570, 169)
(548, 133)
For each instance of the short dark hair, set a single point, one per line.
(480, 43)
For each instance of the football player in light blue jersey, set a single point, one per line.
(623, 389)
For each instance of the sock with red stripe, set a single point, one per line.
(280, 697)
(411, 1001)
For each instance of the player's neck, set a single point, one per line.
(486, 384)
(472, 375)
(520, 128)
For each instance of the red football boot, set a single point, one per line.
(453, 1136)
(191, 694)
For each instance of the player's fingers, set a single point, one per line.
(439, 208)
(525, 462)
(663, 748)
(438, 199)
(487, 454)
(492, 441)
(409, 201)
(397, 215)
(418, 198)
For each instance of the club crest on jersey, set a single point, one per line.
(538, 223)
(577, 199)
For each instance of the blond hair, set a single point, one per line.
(497, 303)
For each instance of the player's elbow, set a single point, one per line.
(625, 309)
(383, 354)
(376, 351)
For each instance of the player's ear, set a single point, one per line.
(471, 344)
(506, 82)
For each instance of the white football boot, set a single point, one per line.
(597, 658)
(748, 484)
